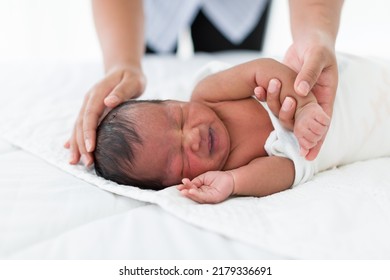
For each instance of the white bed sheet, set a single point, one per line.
(46, 213)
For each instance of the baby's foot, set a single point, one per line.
(311, 126)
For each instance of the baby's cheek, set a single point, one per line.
(197, 166)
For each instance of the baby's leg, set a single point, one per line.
(311, 125)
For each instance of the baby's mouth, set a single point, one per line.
(211, 141)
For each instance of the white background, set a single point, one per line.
(364, 28)
(64, 30)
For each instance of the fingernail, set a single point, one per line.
(303, 88)
(273, 86)
(287, 104)
(260, 94)
(88, 145)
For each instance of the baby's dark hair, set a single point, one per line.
(117, 144)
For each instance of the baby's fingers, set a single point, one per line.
(186, 185)
(199, 195)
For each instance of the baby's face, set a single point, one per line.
(180, 140)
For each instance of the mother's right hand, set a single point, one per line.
(119, 85)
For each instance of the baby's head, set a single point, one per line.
(153, 144)
(119, 143)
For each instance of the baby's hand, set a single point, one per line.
(311, 126)
(209, 187)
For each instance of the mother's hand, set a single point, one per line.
(286, 111)
(120, 84)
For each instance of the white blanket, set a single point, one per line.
(341, 213)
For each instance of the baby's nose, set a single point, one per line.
(193, 139)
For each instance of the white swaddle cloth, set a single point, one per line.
(360, 127)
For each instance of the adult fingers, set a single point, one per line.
(287, 113)
(78, 145)
(273, 96)
(131, 86)
(111, 92)
(89, 118)
(94, 108)
(260, 94)
(74, 151)
(308, 75)
(72, 143)
(77, 151)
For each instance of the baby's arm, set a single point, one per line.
(238, 82)
(262, 176)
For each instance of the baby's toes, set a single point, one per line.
(303, 152)
(300, 128)
(306, 144)
(310, 130)
(315, 132)
(318, 128)
(323, 119)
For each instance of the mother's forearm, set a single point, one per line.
(315, 18)
(120, 28)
